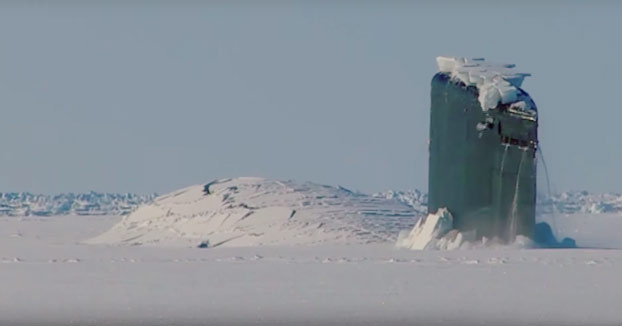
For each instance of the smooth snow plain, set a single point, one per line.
(51, 273)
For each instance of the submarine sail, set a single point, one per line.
(483, 143)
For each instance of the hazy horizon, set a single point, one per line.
(147, 98)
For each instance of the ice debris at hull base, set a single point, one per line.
(434, 232)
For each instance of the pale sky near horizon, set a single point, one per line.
(151, 97)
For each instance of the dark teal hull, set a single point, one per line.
(486, 175)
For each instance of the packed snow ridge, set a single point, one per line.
(92, 203)
(496, 83)
(254, 212)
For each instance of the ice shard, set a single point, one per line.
(483, 143)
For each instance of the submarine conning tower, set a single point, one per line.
(483, 143)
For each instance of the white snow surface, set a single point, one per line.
(254, 212)
(496, 83)
(49, 277)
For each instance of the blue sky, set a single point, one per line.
(152, 97)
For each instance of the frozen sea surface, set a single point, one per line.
(49, 277)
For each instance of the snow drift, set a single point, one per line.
(254, 212)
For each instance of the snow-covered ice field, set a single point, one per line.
(48, 277)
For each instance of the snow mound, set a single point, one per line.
(253, 212)
(496, 83)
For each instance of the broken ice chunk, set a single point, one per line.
(435, 232)
(428, 230)
(462, 75)
(516, 79)
(522, 106)
(446, 64)
(495, 82)
(507, 92)
(489, 97)
(475, 77)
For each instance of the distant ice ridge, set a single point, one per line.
(245, 212)
(496, 83)
(570, 202)
(92, 203)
